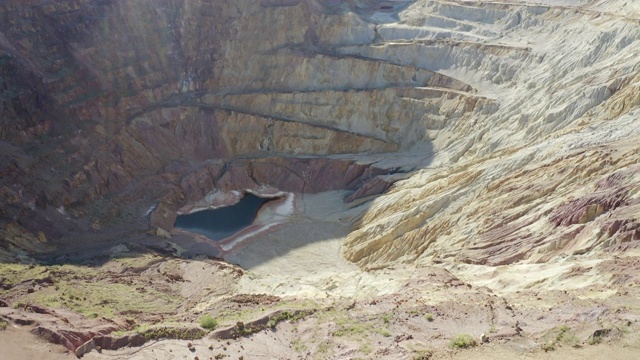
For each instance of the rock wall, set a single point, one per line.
(109, 108)
(551, 174)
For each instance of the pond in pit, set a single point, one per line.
(221, 223)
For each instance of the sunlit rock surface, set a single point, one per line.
(553, 172)
(512, 127)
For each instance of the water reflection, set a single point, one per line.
(221, 223)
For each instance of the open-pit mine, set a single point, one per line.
(320, 179)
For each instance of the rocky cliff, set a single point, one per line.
(508, 129)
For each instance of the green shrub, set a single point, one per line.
(284, 316)
(162, 332)
(462, 341)
(429, 317)
(3, 325)
(208, 322)
(560, 336)
(423, 355)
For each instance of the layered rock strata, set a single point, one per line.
(528, 113)
(110, 108)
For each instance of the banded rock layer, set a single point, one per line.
(513, 124)
(551, 174)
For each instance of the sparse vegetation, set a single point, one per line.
(298, 345)
(284, 316)
(350, 330)
(549, 346)
(100, 291)
(168, 332)
(323, 350)
(383, 332)
(560, 336)
(366, 348)
(429, 317)
(244, 330)
(386, 318)
(422, 355)
(3, 325)
(208, 322)
(462, 341)
(595, 340)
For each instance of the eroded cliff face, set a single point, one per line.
(110, 108)
(553, 173)
(512, 126)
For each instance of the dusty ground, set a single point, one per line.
(17, 343)
(403, 312)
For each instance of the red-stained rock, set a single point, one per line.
(375, 186)
(70, 338)
(115, 343)
(110, 343)
(586, 209)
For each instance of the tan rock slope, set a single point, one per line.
(552, 172)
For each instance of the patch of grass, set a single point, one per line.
(230, 317)
(563, 335)
(323, 351)
(366, 348)
(350, 330)
(208, 322)
(298, 345)
(463, 341)
(346, 324)
(386, 318)
(422, 355)
(167, 332)
(549, 346)
(492, 329)
(90, 291)
(284, 316)
(595, 340)
(429, 317)
(383, 332)
(3, 325)
(244, 330)
(107, 300)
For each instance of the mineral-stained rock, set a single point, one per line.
(110, 97)
(515, 145)
(110, 343)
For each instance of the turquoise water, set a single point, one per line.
(223, 222)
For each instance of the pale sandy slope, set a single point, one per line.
(18, 344)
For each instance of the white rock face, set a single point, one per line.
(555, 144)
